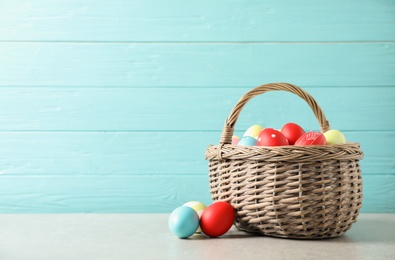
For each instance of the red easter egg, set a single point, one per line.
(271, 137)
(292, 132)
(311, 138)
(217, 219)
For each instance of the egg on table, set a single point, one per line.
(183, 221)
(217, 219)
(198, 207)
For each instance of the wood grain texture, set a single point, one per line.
(129, 194)
(143, 153)
(189, 109)
(194, 64)
(176, 20)
(101, 194)
(109, 106)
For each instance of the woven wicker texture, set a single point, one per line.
(308, 192)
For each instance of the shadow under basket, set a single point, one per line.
(305, 192)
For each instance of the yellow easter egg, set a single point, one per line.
(198, 207)
(253, 131)
(334, 137)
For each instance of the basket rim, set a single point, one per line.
(348, 151)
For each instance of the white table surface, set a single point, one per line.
(146, 236)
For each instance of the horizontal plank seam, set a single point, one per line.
(180, 87)
(154, 175)
(163, 131)
(197, 42)
(205, 174)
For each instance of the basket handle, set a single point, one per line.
(227, 132)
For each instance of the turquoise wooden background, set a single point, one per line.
(108, 106)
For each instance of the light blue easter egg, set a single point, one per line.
(183, 221)
(247, 141)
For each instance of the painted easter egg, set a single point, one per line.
(217, 219)
(253, 131)
(247, 141)
(335, 137)
(235, 139)
(311, 138)
(198, 207)
(271, 137)
(183, 221)
(292, 132)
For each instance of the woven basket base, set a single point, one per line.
(307, 233)
(310, 200)
(330, 234)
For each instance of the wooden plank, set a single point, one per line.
(379, 156)
(176, 20)
(100, 194)
(143, 153)
(379, 193)
(195, 65)
(127, 194)
(188, 109)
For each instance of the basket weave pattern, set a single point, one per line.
(306, 192)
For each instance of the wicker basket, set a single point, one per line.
(308, 192)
